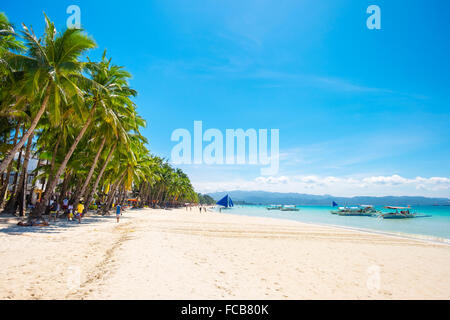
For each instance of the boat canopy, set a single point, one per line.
(395, 208)
(226, 202)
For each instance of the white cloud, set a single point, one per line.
(387, 180)
(273, 180)
(395, 185)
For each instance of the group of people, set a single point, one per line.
(67, 209)
(55, 209)
(74, 213)
(201, 208)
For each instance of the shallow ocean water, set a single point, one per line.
(436, 227)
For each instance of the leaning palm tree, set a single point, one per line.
(113, 104)
(51, 70)
(60, 105)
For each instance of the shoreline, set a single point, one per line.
(401, 235)
(411, 236)
(178, 254)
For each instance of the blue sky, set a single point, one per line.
(359, 111)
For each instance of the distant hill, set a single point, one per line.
(266, 198)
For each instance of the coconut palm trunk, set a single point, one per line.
(52, 184)
(35, 181)
(89, 176)
(8, 172)
(76, 189)
(30, 130)
(55, 151)
(21, 192)
(123, 195)
(9, 207)
(5, 185)
(112, 194)
(99, 177)
(65, 186)
(158, 195)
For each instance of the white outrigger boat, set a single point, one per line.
(289, 208)
(401, 213)
(367, 208)
(274, 207)
(359, 211)
(340, 209)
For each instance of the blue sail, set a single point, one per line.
(335, 204)
(226, 202)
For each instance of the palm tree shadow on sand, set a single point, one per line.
(53, 227)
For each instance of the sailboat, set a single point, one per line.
(226, 202)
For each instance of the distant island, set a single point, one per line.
(267, 198)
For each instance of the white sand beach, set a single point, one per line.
(178, 254)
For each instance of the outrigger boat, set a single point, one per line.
(367, 208)
(360, 211)
(289, 208)
(356, 212)
(339, 210)
(274, 207)
(401, 213)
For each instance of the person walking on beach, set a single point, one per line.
(80, 209)
(65, 205)
(53, 210)
(70, 214)
(118, 212)
(70, 209)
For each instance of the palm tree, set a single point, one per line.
(114, 100)
(51, 70)
(8, 43)
(58, 104)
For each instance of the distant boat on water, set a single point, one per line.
(226, 202)
(289, 208)
(274, 207)
(282, 207)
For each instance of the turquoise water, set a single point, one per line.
(436, 227)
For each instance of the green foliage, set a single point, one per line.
(205, 199)
(111, 158)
